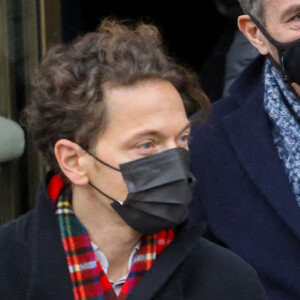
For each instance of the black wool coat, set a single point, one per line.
(243, 191)
(33, 265)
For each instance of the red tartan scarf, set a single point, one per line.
(88, 279)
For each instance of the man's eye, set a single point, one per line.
(147, 145)
(184, 138)
(297, 17)
(146, 148)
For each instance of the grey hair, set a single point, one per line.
(255, 8)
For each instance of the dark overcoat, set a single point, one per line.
(33, 265)
(243, 191)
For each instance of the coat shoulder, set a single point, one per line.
(16, 257)
(19, 230)
(240, 93)
(220, 271)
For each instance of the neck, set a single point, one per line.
(296, 88)
(105, 228)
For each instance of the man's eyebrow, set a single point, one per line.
(290, 11)
(156, 132)
(145, 132)
(187, 126)
(141, 134)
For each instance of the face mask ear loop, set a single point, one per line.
(102, 162)
(105, 195)
(93, 186)
(280, 65)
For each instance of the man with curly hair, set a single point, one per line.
(247, 155)
(109, 113)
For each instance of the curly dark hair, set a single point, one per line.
(67, 100)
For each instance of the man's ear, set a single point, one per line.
(253, 34)
(70, 157)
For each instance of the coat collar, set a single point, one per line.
(51, 276)
(166, 264)
(249, 131)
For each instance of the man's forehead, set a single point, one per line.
(284, 8)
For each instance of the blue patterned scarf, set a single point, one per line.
(286, 130)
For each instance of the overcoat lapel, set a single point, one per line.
(248, 130)
(51, 276)
(166, 264)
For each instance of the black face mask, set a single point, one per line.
(159, 191)
(288, 53)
